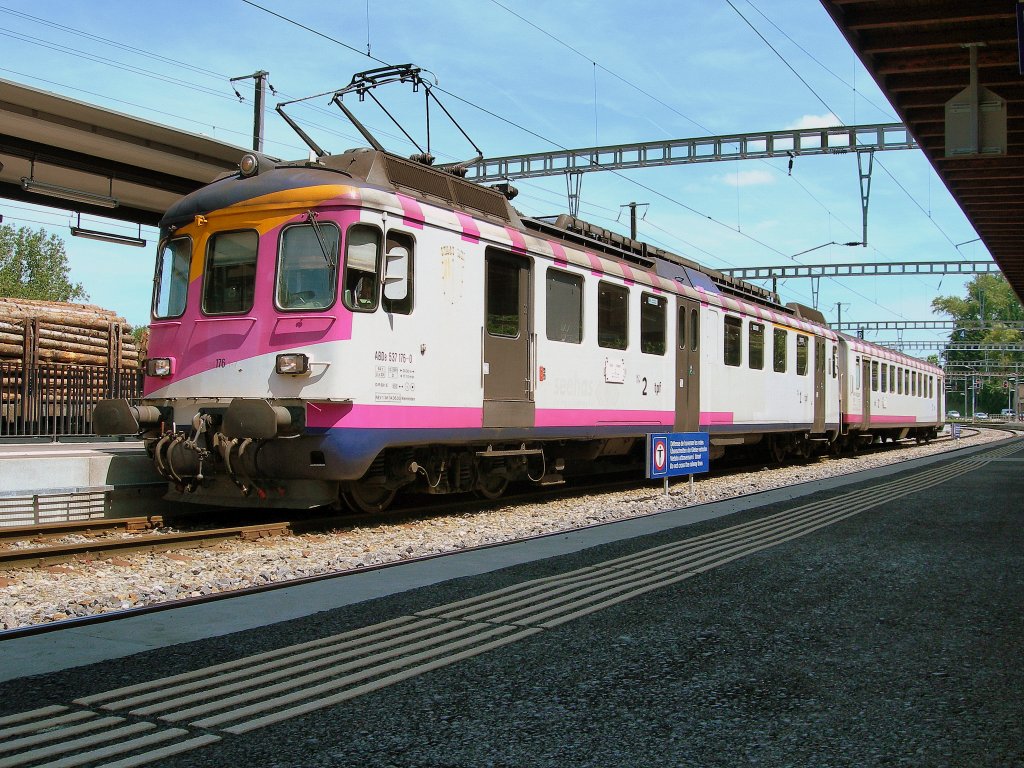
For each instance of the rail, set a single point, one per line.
(100, 548)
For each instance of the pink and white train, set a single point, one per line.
(365, 324)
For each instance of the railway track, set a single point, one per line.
(105, 546)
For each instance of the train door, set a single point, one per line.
(819, 385)
(866, 384)
(688, 366)
(507, 342)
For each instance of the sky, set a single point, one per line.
(526, 76)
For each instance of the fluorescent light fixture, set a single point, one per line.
(67, 193)
(108, 237)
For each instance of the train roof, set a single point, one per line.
(445, 189)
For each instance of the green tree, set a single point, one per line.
(981, 318)
(34, 265)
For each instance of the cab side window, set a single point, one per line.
(172, 272)
(399, 273)
(361, 286)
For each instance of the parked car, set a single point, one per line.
(1006, 413)
(980, 415)
(952, 414)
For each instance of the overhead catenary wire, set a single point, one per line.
(595, 65)
(833, 112)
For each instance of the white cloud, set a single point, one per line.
(827, 120)
(747, 178)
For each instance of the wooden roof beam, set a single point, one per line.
(889, 15)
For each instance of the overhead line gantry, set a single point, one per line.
(921, 325)
(738, 146)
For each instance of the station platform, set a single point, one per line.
(46, 482)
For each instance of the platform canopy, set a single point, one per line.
(919, 52)
(56, 151)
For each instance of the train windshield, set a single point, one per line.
(307, 268)
(230, 282)
(171, 283)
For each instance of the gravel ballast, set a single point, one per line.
(31, 596)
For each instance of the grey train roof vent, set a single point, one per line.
(455, 191)
(810, 314)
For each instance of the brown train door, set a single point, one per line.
(866, 383)
(507, 342)
(819, 385)
(688, 366)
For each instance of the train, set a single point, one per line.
(354, 326)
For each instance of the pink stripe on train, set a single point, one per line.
(347, 415)
(563, 417)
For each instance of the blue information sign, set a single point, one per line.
(677, 453)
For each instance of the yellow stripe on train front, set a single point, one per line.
(262, 213)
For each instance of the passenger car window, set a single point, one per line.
(652, 324)
(229, 285)
(801, 355)
(307, 266)
(612, 316)
(564, 306)
(780, 338)
(755, 346)
(874, 375)
(362, 267)
(170, 289)
(733, 340)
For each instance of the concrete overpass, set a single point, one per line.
(56, 151)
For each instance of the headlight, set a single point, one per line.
(249, 164)
(293, 363)
(159, 366)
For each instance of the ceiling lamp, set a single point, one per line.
(67, 193)
(108, 237)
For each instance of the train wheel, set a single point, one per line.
(491, 487)
(366, 498)
(805, 449)
(779, 448)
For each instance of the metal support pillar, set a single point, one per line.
(573, 183)
(865, 192)
(260, 84)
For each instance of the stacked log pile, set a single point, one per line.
(34, 332)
